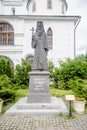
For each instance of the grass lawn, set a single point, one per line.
(60, 93)
(21, 93)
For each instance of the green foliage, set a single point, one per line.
(6, 88)
(9, 70)
(70, 69)
(51, 69)
(54, 73)
(5, 82)
(21, 73)
(69, 78)
(21, 92)
(6, 68)
(62, 85)
(7, 94)
(79, 87)
(73, 68)
(11, 82)
(60, 93)
(72, 75)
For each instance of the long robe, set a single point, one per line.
(40, 54)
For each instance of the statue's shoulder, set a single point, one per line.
(44, 34)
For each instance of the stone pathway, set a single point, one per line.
(77, 122)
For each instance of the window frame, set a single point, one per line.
(34, 7)
(6, 34)
(49, 4)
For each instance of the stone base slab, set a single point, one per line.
(53, 105)
(38, 98)
(21, 108)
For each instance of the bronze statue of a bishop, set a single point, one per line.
(39, 43)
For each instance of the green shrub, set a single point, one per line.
(5, 82)
(53, 86)
(62, 85)
(6, 68)
(7, 94)
(22, 92)
(23, 86)
(21, 73)
(69, 69)
(51, 70)
(79, 87)
(6, 88)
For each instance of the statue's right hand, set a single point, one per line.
(32, 37)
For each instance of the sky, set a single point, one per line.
(79, 8)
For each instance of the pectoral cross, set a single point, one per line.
(32, 30)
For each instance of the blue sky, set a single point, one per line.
(79, 7)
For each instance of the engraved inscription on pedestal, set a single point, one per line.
(39, 84)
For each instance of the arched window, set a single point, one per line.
(13, 11)
(34, 7)
(6, 34)
(30, 58)
(50, 38)
(49, 4)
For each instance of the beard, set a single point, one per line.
(40, 33)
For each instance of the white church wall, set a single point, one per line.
(41, 8)
(1, 8)
(63, 41)
(13, 52)
(18, 10)
(18, 5)
(19, 31)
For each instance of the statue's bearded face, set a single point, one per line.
(40, 30)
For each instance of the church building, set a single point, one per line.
(18, 20)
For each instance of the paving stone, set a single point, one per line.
(78, 122)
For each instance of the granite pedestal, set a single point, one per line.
(39, 87)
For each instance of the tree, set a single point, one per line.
(21, 73)
(6, 68)
(70, 69)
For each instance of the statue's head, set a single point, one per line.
(39, 24)
(40, 28)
